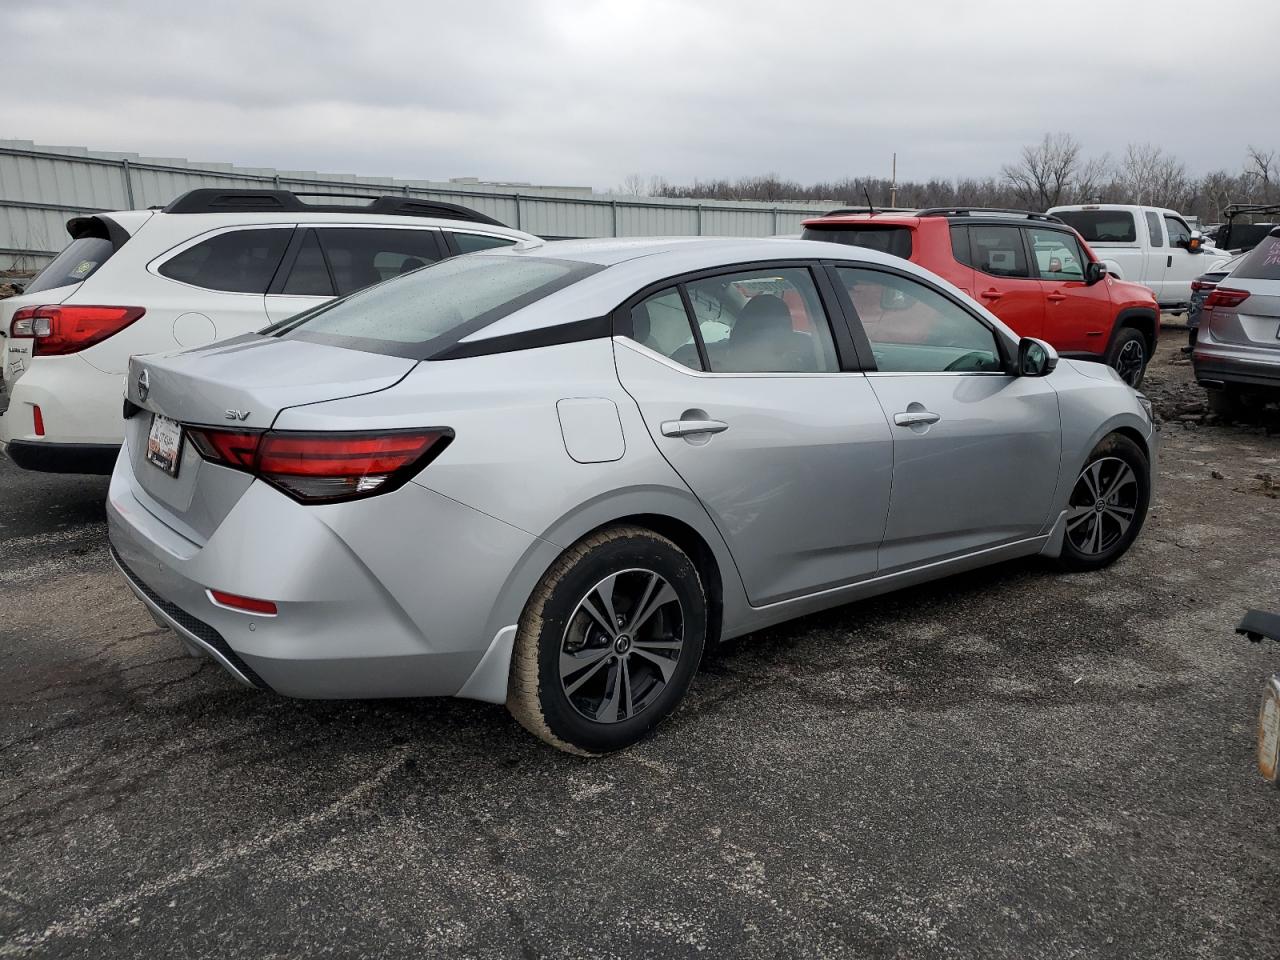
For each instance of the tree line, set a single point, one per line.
(1048, 173)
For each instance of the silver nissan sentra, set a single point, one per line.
(549, 475)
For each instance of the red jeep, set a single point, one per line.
(1030, 269)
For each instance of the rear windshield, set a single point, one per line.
(1101, 226)
(78, 261)
(420, 313)
(886, 239)
(1261, 263)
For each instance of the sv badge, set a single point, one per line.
(236, 415)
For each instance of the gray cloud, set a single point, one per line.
(587, 92)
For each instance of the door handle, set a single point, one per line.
(914, 418)
(1170, 263)
(1056, 297)
(692, 428)
(992, 294)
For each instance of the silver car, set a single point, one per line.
(1237, 350)
(548, 476)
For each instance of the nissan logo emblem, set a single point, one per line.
(144, 385)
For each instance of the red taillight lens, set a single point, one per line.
(60, 330)
(232, 448)
(336, 466)
(37, 420)
(324, 467)
(1197, 285)
(1226, 297)
(247, 604)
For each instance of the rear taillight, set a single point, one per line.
(1197, 285)
(60, 329)
(324, 467)
(1226, 297)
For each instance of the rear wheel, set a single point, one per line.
(608, 643)
(1108, 505)
(1128, 356)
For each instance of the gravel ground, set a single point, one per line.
(1012, 763)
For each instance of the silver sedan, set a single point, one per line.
(548, 476)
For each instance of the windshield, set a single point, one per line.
(886, 239)
(1101, 226)
(78, 261)
(419, 313)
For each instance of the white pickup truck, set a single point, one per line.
(1147, 245)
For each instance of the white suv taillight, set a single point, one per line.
(60, 330)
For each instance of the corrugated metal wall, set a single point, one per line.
(41, 187)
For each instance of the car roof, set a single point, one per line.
(631, 265)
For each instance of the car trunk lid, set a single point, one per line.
(238, 384)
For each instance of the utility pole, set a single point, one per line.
(893, 184)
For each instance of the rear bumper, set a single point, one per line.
(48, 457)
(79, 404)
(393, 596)
(1216, 364)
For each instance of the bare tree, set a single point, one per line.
(633, 185)
(1149, 175)
(1041, 178)
(1260, 166)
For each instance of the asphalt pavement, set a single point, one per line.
(1011, 763)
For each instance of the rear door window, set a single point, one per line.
(78, 261)
(998, 251)
(662, 325)
(1261, 263)
(238, 261)
(895, 240)
(1101, 226)
(1057, 254)
(359, 257)
(1153, 228)
(763, 321)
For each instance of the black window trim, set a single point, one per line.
(1007, 350)
(450, 244)
(276, 287)
(157, 262)
(848, 359)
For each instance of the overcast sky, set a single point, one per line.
(588, 92)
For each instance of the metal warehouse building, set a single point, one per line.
(42, 187)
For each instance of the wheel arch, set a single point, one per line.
(1143, 319)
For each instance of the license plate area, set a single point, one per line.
(164, 444)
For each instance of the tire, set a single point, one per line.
(621, 691)
(1103, 520)
(1128, 356)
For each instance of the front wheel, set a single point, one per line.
(1128, 356)
(1108, 505)
(608, 643)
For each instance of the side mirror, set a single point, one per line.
(1196, 243)
(1036, 358)
(1093, 272)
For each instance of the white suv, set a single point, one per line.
(211, 265)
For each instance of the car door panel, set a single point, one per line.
(983, 474)
(975, 450)
(1078, 315)
(798, 482)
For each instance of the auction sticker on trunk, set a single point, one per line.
(164, 444)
